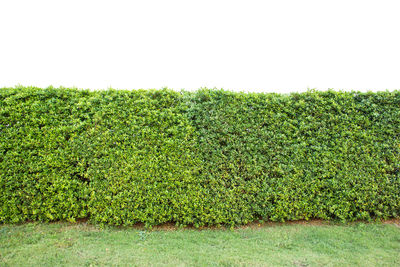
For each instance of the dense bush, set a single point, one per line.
(322, 155)
(203, 158)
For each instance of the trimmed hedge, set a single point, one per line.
(203, 158)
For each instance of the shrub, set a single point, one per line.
(204, 158)
(329, 155)
(40, 174)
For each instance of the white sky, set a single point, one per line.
(270, 46)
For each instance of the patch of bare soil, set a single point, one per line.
(84, 225)
(255, 225)
(395, 222)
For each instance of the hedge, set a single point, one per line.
(199, 158)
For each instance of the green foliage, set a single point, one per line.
(329, 155)
(204, 158)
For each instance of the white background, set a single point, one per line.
(248, 45)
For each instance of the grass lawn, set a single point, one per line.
(63, 244)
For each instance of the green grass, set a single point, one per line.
(63, 244)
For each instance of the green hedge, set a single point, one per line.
(203, 158)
